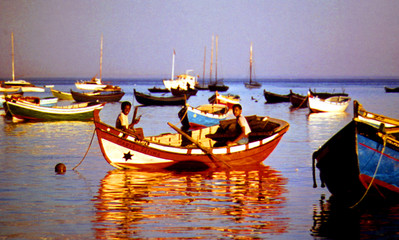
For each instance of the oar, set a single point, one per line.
(206, 150)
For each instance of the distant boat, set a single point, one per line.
(251, 83)
(217, 85)
(328, 102)
(180, 92)
(205, 115)
(298, 100)
(21, 85)
(29, 111)
(97, 96)
(275, 97)
(229, 100)
(203, 85)
(361, 160)
(388, 89)
(61, 95)
(95, 83)
(146, 99)
(184, 81)
(158, 90)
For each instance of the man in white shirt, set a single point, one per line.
(243, 124)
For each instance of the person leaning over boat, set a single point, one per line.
(243, 130)
(122, 122)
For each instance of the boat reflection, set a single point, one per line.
(244, 203)
(334, 221)
(322, 126)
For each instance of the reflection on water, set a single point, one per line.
(333, 221)
(322, 126)
(243, 203)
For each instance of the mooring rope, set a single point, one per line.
(91, 141)
(375, 173)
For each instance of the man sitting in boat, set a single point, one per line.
(243, 128)
(122, 122)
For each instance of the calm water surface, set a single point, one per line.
(274, 201)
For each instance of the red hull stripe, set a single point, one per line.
(375, 150)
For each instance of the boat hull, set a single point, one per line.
(159, 101)
(100, 97)
(356, 163)
(275, 98)
(331, 104)
(61, 95)
(33, 112)
(200, 119)
(122, 150)
(298, 101)
(89, 86)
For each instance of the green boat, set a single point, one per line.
(29, 111)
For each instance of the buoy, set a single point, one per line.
(60, 168)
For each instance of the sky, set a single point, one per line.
(291, 38)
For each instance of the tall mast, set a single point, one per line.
(210, 75)
(203, 73)
(101, 57)
(216, 61)
(173, 64)
(250, 64)
(12, 56)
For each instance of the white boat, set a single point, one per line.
(15, 85)
(94, 83)
(333, 103)
(32, 88)
(182, 80)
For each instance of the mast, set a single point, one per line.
(173, 64)
(12, 56)
(250, 64)
(203, 73)
(216, 61)
(101, 57)
(210, 75)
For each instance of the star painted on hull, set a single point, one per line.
(127, 156)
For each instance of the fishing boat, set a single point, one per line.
(275, 97)
(389, 89)
(167, 151)
(97, 96)
(328, 102)
(218, 85)
(34, 112)
(146, 99)
(298, 100)
(61, 95)
(158, 90)
(252, 83)
(361, 161)
(181, 92)
(18, 85)
(183, 81)
(205, 115)
(229, 100)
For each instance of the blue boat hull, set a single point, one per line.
(198, 120)
(378, 162)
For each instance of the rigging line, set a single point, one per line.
(91, 141)
(375, 173)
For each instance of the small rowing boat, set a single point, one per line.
(122, 149)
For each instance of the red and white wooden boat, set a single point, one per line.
(167, 151)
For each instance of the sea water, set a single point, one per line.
(97, 201)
